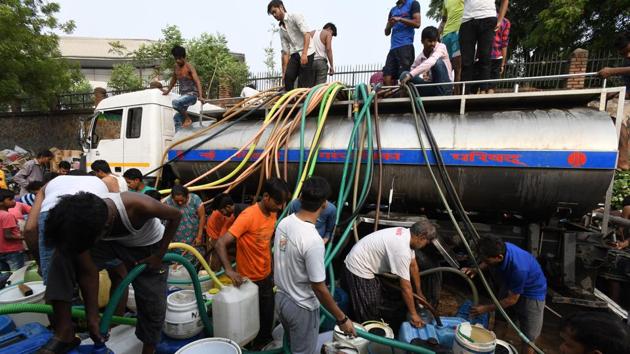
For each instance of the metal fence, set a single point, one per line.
(545, 64)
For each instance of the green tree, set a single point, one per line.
(561, 25)
(32, 71)
(270, 52)
(125, 78)
(208, 53)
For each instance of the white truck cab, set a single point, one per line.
(131, 130)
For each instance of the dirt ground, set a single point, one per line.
(549, 340)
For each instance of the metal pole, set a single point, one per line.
(607, 203)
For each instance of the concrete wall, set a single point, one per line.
(41, 130)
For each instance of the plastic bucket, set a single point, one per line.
(473, 340)
(357, 344)
(182, 315)
(12, 295)
(504, 347)
(381, 329)
(211, 345)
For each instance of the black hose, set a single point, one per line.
(205, 140)
(444, 176)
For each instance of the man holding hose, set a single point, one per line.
(88, 232)
(386, 251)
(524, 286)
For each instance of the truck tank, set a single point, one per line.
(526, 161)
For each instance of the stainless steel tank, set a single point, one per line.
(530, 162)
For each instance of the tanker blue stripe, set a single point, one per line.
(477, 158)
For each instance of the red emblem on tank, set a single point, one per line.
(577, 159)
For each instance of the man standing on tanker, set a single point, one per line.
(402, 21)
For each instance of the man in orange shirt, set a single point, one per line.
(253, 233)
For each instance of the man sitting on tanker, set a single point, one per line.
(88, 233)
(386, 251)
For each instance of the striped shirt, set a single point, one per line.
(28, 199)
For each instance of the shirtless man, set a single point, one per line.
(114, 183)
(88, 232)
(189, 87)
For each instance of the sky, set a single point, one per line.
(245, 24)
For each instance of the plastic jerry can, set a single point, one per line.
(235, 313)
(26, 339)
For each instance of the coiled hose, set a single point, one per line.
(169, 257)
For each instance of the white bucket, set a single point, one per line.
(471, 339)
(379, 329)
(182, 315)
(179, 273)
(12, 295)
(359, 345)
(131, 299)
(211, 345)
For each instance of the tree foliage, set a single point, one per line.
(125, 78)
(208, 53)
(561, 25)
(31, 66)
(270, 52)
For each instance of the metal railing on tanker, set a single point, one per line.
(538, 65)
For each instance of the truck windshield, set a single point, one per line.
(107, 125)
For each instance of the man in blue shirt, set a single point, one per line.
(325, 221)
(524, 280)
(402, 21)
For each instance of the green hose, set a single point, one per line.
(169, 257)
(416, 101)
(473, 288)
(48, 310)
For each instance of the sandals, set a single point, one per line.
(55, 346)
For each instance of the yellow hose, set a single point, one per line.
(203, 262)
(252, 147)
(314, 149)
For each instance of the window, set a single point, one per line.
(134, 123)
(107, 126)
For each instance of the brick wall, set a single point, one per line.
(41, 130)
(577, 65)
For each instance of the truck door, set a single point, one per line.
(137, 140)
(106, 140)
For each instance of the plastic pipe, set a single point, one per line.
(47, 309)
(199, 257)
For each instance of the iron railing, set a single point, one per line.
(545, 64)
(539, 65)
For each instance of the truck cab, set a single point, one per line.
(131, 130)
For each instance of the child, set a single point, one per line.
(431, 66)
(594, 333)
(133, 176)
(32, 189)
(11, 247)
(189, 87)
